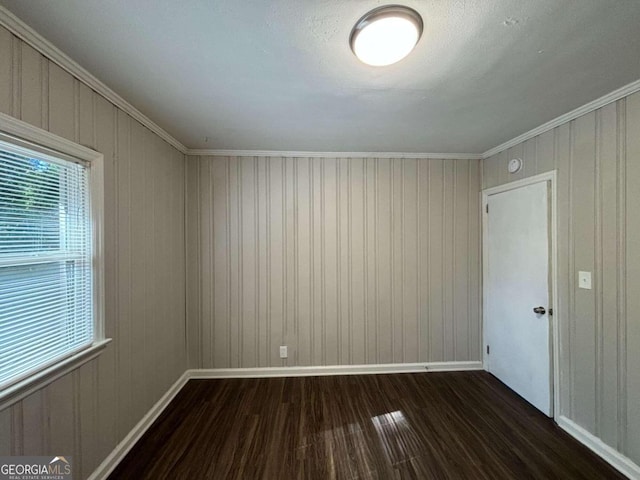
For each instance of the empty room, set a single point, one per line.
(319, 239)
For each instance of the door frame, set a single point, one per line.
(554, 332)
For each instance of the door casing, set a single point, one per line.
(555, 359)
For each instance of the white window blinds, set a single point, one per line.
(45, 262)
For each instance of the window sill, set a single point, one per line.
(41, 379)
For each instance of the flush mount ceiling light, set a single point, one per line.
(386, 35)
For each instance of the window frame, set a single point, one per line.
(23, 135)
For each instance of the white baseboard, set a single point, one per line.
(623, 464)
(334, 370)
(121, 450)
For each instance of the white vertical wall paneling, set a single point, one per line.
(263, 263)
(630, 345)
(598, 271)
(219, 236)
(193, 263)
(5, 427)
(275, 262)
(448, 279)
(31, 81)
(436, 245)
(86, 413)
(621, 284)
(344, 260)
(124, 274)
(16, 69)
(395, 260)
(17, 430)
(571, 255)
(475, 262)
(292, 213)
(331, 328)
(105, 142)
(370, 266)
(303, 260)
(422, 260)
(607, 277)
(6, 74)
(357, 281)
(137, 262)
(409, 253)
(84, 128)
(583, 225)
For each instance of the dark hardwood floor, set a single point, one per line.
(464, 425)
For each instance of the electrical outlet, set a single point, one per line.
(283, 351)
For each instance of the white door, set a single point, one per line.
(517, 338)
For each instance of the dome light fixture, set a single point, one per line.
(386, 35)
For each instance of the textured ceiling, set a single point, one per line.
(279, 74)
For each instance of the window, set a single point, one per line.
(50, 285)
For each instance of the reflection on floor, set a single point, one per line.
(431, 425)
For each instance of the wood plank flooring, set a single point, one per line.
(462, 425)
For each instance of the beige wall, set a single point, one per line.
(345, 261)
(598, 161)
(86, 413)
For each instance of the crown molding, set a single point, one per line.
(611, 97)
(286, 153)
(46, 48)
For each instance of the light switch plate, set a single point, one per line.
(283, 352)
(584, 280)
